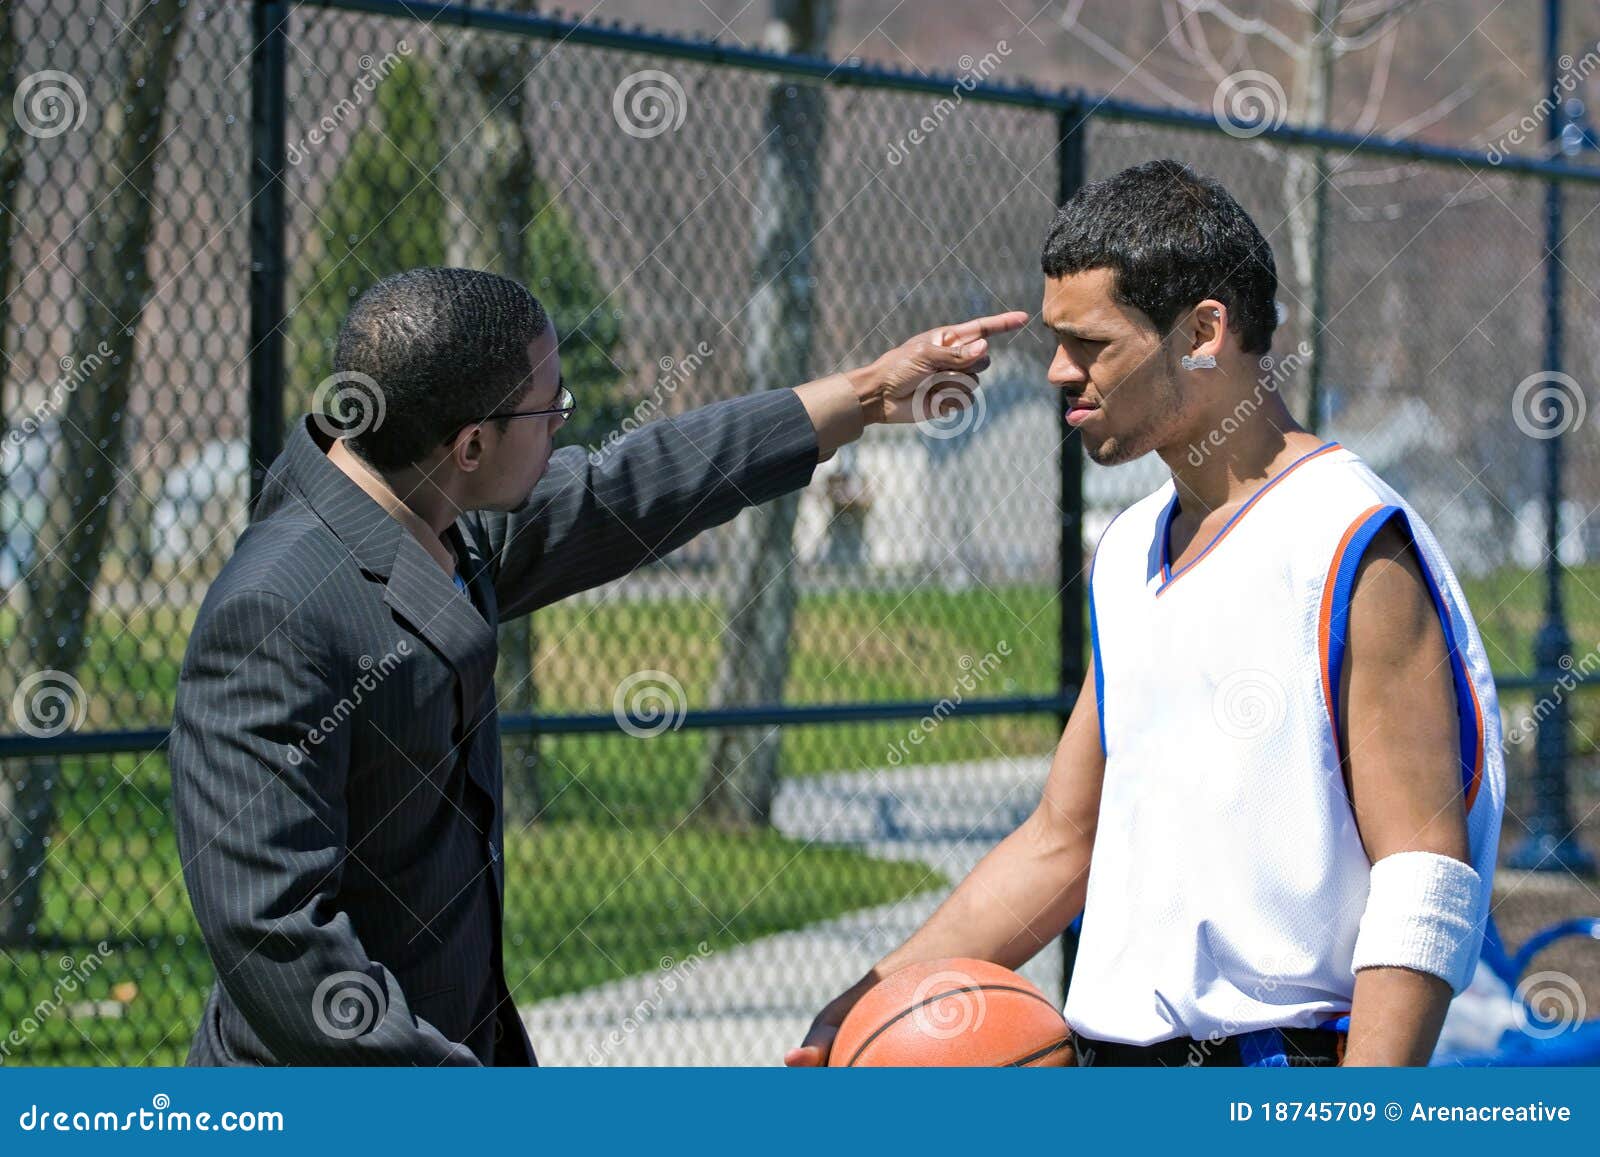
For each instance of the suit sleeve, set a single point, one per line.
(258, 792)
(594, 517)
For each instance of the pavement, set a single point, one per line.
(747, 1005)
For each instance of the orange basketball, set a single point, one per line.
(951, 1013)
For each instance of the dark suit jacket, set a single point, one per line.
(336, 752)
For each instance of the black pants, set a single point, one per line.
(1272, 1047)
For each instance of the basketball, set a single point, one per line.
(951, 1013)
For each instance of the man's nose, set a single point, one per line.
(1064, 371)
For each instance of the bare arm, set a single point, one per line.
(1403, 771)
(1021, 896)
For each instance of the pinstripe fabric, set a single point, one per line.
(335, 747)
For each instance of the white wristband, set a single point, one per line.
(1422, 913)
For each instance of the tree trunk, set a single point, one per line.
(741, 772)
(496, 178)
(1306, 196)
(93, 446)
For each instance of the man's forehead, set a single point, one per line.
(1082, 297)
(542, 350)
(545, 359)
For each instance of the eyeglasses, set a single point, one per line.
(565, 404)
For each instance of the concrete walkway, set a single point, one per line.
(746, 1005)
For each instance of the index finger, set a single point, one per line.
(983, 327)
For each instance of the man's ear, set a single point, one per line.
(466, 448)
(1208, 324)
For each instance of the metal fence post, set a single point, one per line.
(1549, 845)
(1071, 172)
(268, 116)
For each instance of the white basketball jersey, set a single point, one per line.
(1228, 876)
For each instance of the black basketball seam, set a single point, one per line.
(1023, 1062)
(903, 1013)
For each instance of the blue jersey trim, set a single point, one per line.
(1094, 635)
(1339, 626)
(1168, 575)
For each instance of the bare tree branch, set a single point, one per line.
(1365, 11)
(1131, 68)
(1373, 178)
(1367, 33)
(1377, 84)
(1189, 40)
(1433, 114)
(1249, 26)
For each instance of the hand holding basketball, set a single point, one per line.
(813, 1051)
(940, 1013)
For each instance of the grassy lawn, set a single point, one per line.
(846, 645)
(608, 886)
(584, 904)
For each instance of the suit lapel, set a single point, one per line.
(473, 563)
(415, 586)
(421, 593)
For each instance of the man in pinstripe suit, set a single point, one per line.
(335, 750)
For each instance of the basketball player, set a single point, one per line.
(1278, 809)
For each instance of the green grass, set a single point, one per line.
(1509, 609)
(584, 904)
(846, 646)
(608, 885)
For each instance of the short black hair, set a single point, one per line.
(445, 347)
(1171, 238)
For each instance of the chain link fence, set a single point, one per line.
(692, 871)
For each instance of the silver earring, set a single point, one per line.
(1203, 362)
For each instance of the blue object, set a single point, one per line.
(1577, 1045)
